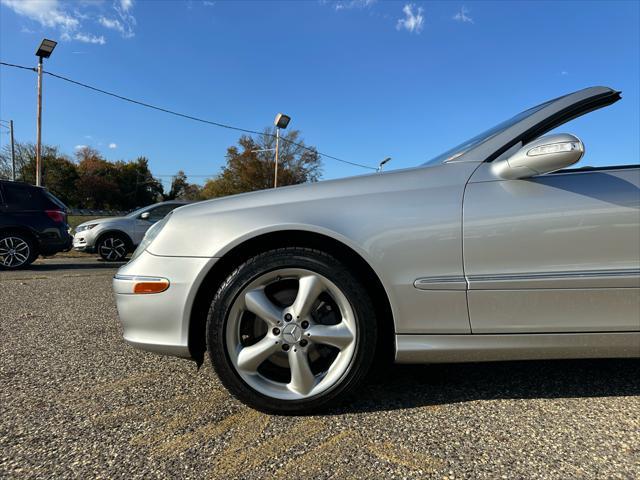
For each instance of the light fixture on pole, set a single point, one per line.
(281, 121)
(44, 51)
(382, 164)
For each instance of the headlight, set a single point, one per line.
(82, 228)
(151, 234)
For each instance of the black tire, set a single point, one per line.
(301, 258)
(113, 247)
(16, 238)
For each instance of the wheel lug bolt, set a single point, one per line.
(287, 317)
(276, 331)
(303, 343)
(285, 347)
(304, 324)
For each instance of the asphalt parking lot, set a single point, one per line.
(75, 401)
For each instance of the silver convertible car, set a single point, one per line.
(492, 251)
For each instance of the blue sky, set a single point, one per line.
(361, 79)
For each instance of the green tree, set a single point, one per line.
(136, 183)
(248, 170)
(59, 173)
(181, 189)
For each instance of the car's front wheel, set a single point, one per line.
(16, 250)
(291, 331)
(113, 247)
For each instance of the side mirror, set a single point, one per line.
(544, 155)
(145, 216)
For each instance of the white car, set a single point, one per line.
(113, 237)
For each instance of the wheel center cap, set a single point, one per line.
(12, 252)
(292, 333)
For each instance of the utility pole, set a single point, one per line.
(39, 127)
(13, 153)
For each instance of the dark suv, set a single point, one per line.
(32, 222)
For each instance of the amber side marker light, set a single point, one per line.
(150, 287)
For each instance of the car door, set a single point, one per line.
(553, 253)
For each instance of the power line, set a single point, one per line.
(189, 117)
(33, 69)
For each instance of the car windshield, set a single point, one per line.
(464, 147)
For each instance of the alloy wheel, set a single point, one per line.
(113, 248)
(14, 252)
(291, 334)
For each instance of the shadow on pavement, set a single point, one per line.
(410, 386)
(50, 265)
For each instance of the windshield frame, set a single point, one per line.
(533, 123)
(473, 142)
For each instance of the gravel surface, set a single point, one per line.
(75, 401)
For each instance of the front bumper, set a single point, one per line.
(84, 241)
(159, 322)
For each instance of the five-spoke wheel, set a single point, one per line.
(313, 337)
(295, 330)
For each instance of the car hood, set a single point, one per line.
(301, 194)
(330, 207)
(102, 221)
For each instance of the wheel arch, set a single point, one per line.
(290, 238)
(24, 231)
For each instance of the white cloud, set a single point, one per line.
(71, 18)
(113, 145)
(85, 38)
(47, 13)
(412, 22)
(111, 23)
(348, 5)
(80, 147)
(126, 5)
(462, 15)
(125, 23)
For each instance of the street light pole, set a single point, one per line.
(39, 127)
(281, 121)
(44, 51)
(275, 180)
(13, 153)
(382, 164)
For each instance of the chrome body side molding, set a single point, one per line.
(441, 283)
(489, 348)
(624, 278)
